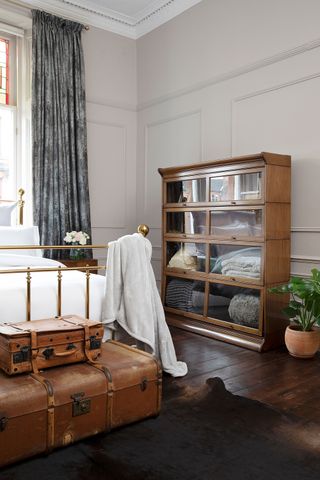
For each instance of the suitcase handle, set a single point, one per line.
(49, 352)
(68, 353)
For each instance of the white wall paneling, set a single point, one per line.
(107, 170)
(168, 142)
(271, 104)
(112, 172)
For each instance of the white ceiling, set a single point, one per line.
(125, 7)
(131, 18)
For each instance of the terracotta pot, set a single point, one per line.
(302, 344)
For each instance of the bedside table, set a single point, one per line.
(83, 262)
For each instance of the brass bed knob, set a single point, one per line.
(143, 229)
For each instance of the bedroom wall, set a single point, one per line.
(231, 78)
(111, 90)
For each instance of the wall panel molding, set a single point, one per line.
(305, 230)
(277, 86)
(304, 259)
(159, 122)
(256, 93)
(264, 62)
(123, 127)
(128, 107)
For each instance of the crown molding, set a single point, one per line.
(144, 21)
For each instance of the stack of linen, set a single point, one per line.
(242, 266)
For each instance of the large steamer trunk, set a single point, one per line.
(135, 383)
(59, 406)
(40, 412)
(23, 418)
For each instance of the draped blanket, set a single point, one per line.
(132, 299)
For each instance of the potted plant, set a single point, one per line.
(302, 338)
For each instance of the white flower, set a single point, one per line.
(76, 237)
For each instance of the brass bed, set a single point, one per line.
(143, 229)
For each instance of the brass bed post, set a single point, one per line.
(28, 295)
(21, 202)
(59, 292)
(87, 292)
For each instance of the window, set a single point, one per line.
(15, 116)
(4, 71)
(7, 125)
(7, 153)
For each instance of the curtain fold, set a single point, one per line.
(59, 139)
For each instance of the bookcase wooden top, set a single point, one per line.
(265, 157)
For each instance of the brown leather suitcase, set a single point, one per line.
(40, 344)
(39, 412)
(135, 383)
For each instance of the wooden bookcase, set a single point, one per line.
(226, 241)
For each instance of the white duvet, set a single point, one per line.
(44, 290)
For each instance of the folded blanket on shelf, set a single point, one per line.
(244, 310)
(179, 294)
(246, 259)
(241, 273)
(214, 300)
(242, 263)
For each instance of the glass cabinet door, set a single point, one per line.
(187, 191)
(246, 223)
(186, 256)
(236, 188)
(184, 294)
(234, 304)
(189, 223)
(239, 261)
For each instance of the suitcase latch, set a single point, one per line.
(144, 384)
(3, 423)
(47, 353)
(94, 342)
(23, 355)
(81, 405)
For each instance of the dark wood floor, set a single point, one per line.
(273, 377)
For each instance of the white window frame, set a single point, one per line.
(20, 87)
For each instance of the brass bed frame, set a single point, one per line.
(143, 229)
(20, 205)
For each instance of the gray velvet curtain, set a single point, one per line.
(60, 171)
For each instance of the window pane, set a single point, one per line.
(187, 222)
(4, 71)
(245, 186)
(242, 261)
(184, 294)
(236, 223)
(234, 304)
(186, 256)
(7, 164)
(190, 191)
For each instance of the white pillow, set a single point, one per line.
(20, 236)
(5, 214)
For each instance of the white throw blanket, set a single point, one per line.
(132, 299)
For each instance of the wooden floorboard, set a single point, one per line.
(273, 377)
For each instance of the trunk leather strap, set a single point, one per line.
(109, 413)
(34, 351)
(50, 412)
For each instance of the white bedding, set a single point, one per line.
(44, 290)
